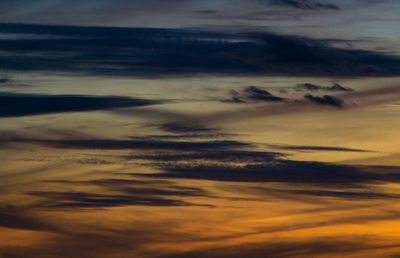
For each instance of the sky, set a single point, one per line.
(183, 128)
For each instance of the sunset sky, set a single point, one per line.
(183, 128)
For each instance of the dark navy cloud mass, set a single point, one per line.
(176, 52)
(14, 105)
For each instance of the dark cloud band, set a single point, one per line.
(12, 105)
(167, 52)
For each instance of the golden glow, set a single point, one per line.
(59, 200)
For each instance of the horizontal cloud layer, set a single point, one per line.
(168, 52)
(12, 105)
(109, 144)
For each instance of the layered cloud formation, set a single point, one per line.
(163, 52)
(185, 128)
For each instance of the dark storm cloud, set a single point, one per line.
(314, 87)
(325, 100)
(305, 4)
(175, 52)
(315, 148)
(13, 105)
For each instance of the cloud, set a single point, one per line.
(352, 194)
(4, 80)
(325, 100)
(178, 135)
(345, 194)
(277, 171)
(211, 155)
(255, 166)
(223, 160)
(252, 94)
(82, 237)
(329, 246)
(15, 218)
(315, 148)
(305, 4)
(180, 127)
(146, 188)
(13, 105)
(110, 144)
(175, 52)
(313, 87)
(259, 94)
(125, 193)
(388, 94)
(234, 99)
(90, 200)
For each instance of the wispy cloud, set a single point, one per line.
(236, 156)
(89, 200)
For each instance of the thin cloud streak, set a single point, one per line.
(315, 148)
